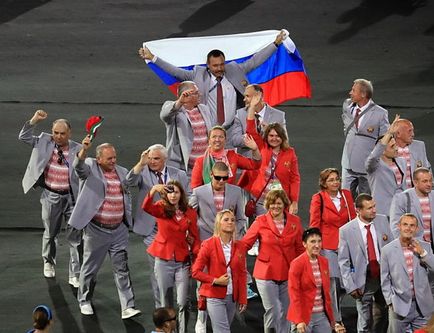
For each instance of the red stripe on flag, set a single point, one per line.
(174, 88)
(290, 85)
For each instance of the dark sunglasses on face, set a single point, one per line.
(170, 319)
(218, 178)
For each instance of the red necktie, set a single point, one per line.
(374, 266)
(220, 104)
(160, 179)
(357, 117)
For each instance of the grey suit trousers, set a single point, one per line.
(372, 309)
(97, 243)
(221, 312)
(319, 323)
(169, 274)
(355, 182)
(147, 240)
(275, 301)
(413, 320)
(57, 208)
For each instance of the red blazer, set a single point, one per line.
(276, 251)
(236, 161)
(286, 169)
(330, 220)
(211, 256)
(302, 289)
(170, 241)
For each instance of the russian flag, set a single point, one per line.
(282, 76)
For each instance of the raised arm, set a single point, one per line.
(26, 133)
(81, 168)
(179, 73)
(263, 54)
(133, 177)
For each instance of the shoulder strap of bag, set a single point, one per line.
(347, 130)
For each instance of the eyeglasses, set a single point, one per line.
(332, 180)
(61, 156)
(219, 178)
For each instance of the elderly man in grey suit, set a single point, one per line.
(208, 200)
(404, 278)
(264, 115)
(386, 172)
(413, 151)
(50, 167)
(103, 212)
(418, 201)
(187, 124)
(149, 171)
(360, 245)
(221, 84)
(364, 122)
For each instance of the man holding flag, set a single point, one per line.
(221, 84)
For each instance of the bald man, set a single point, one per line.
(50, 167)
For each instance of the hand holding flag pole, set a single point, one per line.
(92, 125)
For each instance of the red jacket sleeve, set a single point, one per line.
(315, 211)
(251, 235)
(295, 292)
(201, 262)
(246, 163)
(350, 202)
(196, 173)
(294, 179)
(155, 209)
(251, 130)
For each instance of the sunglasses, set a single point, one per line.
(218, 178)
(61, 156)
(171, 319)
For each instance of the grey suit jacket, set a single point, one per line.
(359, 143)
(238, 129)
(202, 200)
(352, 251)
(235, 73)
(43, 147)
(381, 179)
(179, 134)
(93, 187)
(418, 156)
(395, 283)
(143, 222)
(400, 205)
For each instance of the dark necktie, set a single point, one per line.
(220, 104)
(258, 123)
(159, 176)
(374, 266)
(357, 117)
